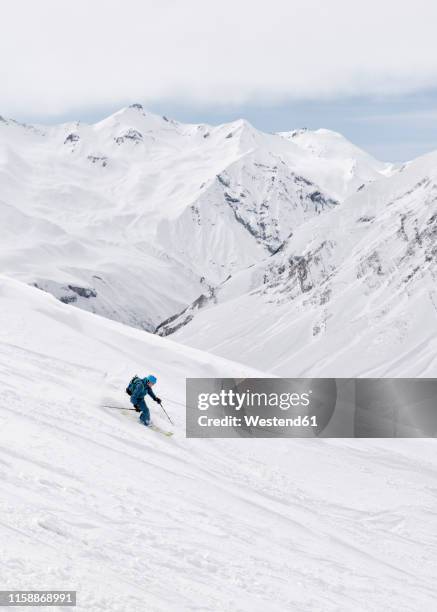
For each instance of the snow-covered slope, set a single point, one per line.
(137, 215)
(353, 292)
(92, 501)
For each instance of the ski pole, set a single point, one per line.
(165, 412)
(117, 407)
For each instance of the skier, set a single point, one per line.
(141, 388)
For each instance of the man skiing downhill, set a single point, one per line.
(143, 387)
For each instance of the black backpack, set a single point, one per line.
(131, 386)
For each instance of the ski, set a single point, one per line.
(168, 434)
(161, 431)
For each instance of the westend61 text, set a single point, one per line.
(257, 421)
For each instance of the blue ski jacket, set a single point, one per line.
(142, 388)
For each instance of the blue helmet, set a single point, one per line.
(152, 379)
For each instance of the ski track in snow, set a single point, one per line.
(92, 501)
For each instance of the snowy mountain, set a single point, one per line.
(351, 293)
(296, 252)
(136, 216)
(131, 520)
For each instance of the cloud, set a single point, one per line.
(59, 55)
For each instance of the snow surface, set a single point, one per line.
(92, 501)
(293, 253)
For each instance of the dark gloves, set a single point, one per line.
(159, 400)
(137, 409)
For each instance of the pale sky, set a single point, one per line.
(366, 68)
